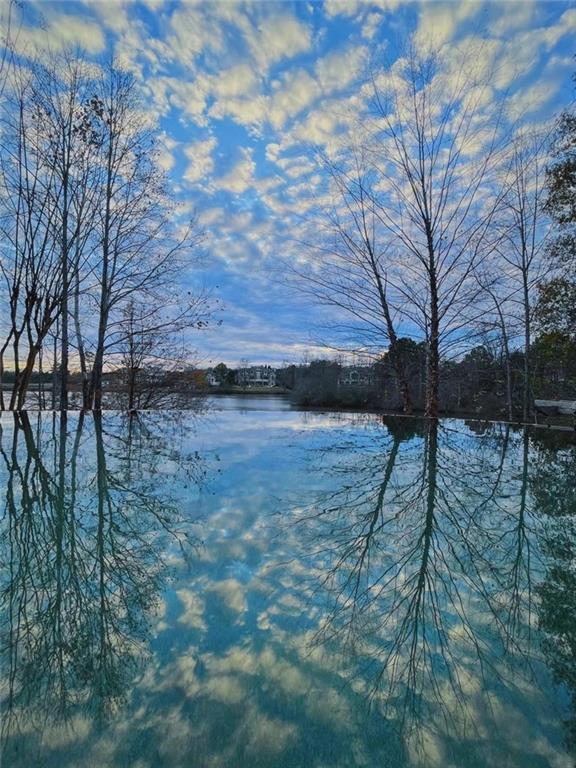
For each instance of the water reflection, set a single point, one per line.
(395, 593)
(553, 486)
(427, 549)
(89, 524)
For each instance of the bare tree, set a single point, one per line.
(154, 353)
(7, 41)
(395, 552)
(86, 506)
(501, 319)
(524, 232)
(60, 90)
(87, 223)
(437, 200)
(30, 264)
(140, 250)
(349, 268)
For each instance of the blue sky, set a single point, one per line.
(246, 94)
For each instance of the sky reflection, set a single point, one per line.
(285, 590)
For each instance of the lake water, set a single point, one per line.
(255, 586)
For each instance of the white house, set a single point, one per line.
(356, 376)
(256, 376)
(211, 379)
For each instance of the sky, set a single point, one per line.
(246, 95)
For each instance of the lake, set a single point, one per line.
(255, 586)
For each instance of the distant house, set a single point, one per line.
(256, 376)
(356, 376)
(211, 378)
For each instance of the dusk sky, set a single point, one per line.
(247, 94)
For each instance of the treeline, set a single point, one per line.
(448, 225)
(483, 382)
(92, 241)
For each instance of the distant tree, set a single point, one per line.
(222, 373)
(317, 382)
(286, 376)
(556, 307)
(154, 351)
(554, 361)
(560, 203)
(554, 349)
(500, 323)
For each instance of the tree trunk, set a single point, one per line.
(80, 343)
(64, 303)
(401, 377)
(397, 360)
(55, 364)
(2, 353)
(433, 352)
(507, 366)
(95, 393)
(96, 384)
(21, 388)
(404, 390)
(131, 387)
(527, 406)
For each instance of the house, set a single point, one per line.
(356, 376)
(211, 378)
(256, 376)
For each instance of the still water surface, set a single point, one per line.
(260, 587)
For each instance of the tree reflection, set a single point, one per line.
(88, 524)
(428, 549)
(553, 486)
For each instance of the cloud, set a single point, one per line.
(338, 70)
(512, 16)
(438, 23)
(523, 51)
(327, 124)
(60, 31)
(240, 80)
(166, 159)
(190, 97)
(277, 37)
(192, 614)
(114, 15)
(341, 7)
(334, 8)
(250, 111)
(371, 25)
(272, 151)
(232, 593)
(201, 161)
(527, 102)
(192, 32)
(296, 90)
(240, 177)
(210, 216)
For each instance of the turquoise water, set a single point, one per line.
(256, 586)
